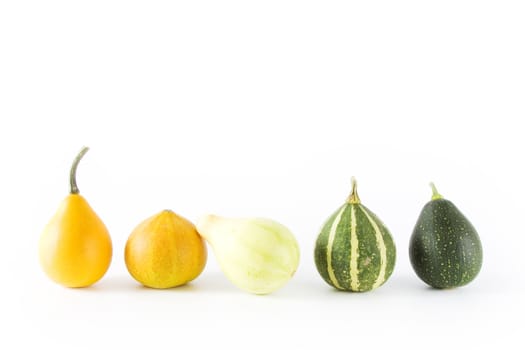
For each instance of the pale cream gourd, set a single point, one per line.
(257, 255)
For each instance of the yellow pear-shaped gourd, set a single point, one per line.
(75, 247)
(165, 251)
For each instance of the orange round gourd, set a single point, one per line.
(75, 247)
(165, 251)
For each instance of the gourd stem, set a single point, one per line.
(73, 173)
(354, 198)
(435, 193)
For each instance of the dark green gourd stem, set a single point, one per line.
(73, 173)
(435, 193)
(354, 198)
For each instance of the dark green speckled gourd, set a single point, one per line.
(445, 249)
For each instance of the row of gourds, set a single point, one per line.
(354, 250)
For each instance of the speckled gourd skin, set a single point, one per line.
(445, 249)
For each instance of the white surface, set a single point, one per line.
(262, 109)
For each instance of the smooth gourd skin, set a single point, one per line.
(165, 251)
(257, 255)
(75, 248)
(354, 250)
(445, 249)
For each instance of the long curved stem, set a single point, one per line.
(73, 173)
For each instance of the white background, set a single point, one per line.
(262, 108)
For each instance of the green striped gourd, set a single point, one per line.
(354, 250)
(445, 249)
